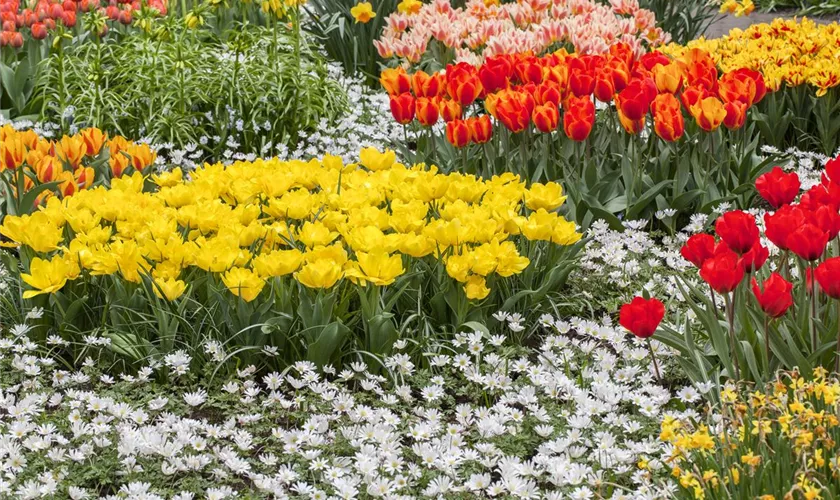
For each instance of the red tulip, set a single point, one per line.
(832, 169)
(641, 316)
(722, 271)
(462, 83)
(754, 259)
(529, 70)
(828, 276)
(578, 118)
(634, 101)
(808, 241)
(738, 230)
(458, 133)
(778, 226)
(495, 73)
(604, 86)
(828, 219)
(775, 297)
(581, 78)
(481, 129)
(403, 107)
(736, 114)
(39, 31)
(546, 117)
(758, 78)
(698, 249)
(651, 59)
(777, 187)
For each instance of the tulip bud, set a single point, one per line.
(481, 129)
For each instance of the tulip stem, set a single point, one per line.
(653, 357)
(813, 310)
(767, 341)
(712, 295)
(730, 315)
(837, 347)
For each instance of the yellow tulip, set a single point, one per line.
(476, 287)
(170, 289)
(48, 276)
(243, 283)
(374, 160)
(36, 231)
(378, 268)
(315, 233)
(322, 273)
(539, 225)
(277, 263)
(546, 196)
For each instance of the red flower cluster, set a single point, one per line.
(803, 228)
(521, 90)
(44, 15)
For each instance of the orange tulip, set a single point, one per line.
(141, 156)
(70, 150)
(700, 69)
(425, 85)
(736, 114)
(427, 111)
(118, 164)
(84, 177)
(619, 72)
(548, 92)
(449, 110)
(668, 121)
(94, 139)
(668, 78)
(692, 95)
(68, 186)
(514, 110)
(708, 113)
(578, 118)
(631, 126)
(48, 168)
(395, 81)
(458, 133)
(481, 129)
(546, 117)
(735, 86)
(12, 153)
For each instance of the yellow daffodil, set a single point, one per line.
(363, 12)
(410, 6)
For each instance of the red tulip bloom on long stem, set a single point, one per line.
(642, 317)
(775, 298)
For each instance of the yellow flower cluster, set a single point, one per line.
(786, 51)
(319, 221)
(792, 415)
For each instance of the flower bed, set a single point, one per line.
(437, 33)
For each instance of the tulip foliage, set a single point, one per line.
(313, 260)
(674, 134)
(780, 312)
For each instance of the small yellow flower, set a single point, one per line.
(410, 6)
(363, 12)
